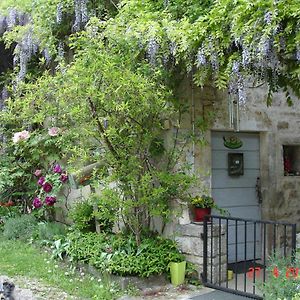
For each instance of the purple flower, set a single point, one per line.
(37, 203)
(47, 187)
(152, 50)
(50, 200)
(57, 169)
(200, 57)
(41, 180)
(37, 173)
(64, 178)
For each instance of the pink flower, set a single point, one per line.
(37, 173)
(57, 169)
(37, 203)
(50, 200)
(47, 187)
(21, 136)
(64, 178)
(41, 180)
(53, 131)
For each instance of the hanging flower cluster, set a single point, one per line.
(29, 45)
(81, 14)
(50, 185)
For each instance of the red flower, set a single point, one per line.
(47, 187)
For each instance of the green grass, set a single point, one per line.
(20, 259)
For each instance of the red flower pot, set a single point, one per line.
(200, 213)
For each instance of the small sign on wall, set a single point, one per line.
(235, 164)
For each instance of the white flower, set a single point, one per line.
(21, 136)
(53, 131)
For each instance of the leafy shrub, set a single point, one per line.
(106, 212)
(7, 213)
(281, 284)
(22, 227)
(59, 248)
(49, 231)
(119, 254)
(82, 216)
(85, 213)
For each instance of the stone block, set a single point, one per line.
(194, 246)
(196, 230)
(282, 125)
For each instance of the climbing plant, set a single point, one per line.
(103, 72)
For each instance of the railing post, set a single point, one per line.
(204, 274)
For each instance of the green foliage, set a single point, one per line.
(191, 274)
(203, 201)
(82, 215)
(281, 284)
(21, 227)
(59, 248)
(106, 210)
(49, 231)
(121, 255)
(7, 213)
(112, 90)
(21, 259)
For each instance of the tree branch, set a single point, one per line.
(102, 130)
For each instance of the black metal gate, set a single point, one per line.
(245, 259)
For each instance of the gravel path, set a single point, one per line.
(31, 289)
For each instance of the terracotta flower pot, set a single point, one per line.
(200, 213)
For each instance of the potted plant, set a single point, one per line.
(203, 205)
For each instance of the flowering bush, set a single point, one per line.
(25, 156)
(283, 283)
(50, 185)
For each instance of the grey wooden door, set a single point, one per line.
(237, 194)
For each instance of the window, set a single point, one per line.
(291, 160)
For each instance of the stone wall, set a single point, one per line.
(190, 240)
(277, 125)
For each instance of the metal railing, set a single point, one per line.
(243, 246)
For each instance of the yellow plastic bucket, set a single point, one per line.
(177, 272)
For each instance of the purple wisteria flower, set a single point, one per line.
(59, 13)
(41, 181)
(50, 200)
(47, 187)
(201, 58)
(246, 58)
(37, 203)
(298, 53)
(64, 178)
(37, 173)
(268, 17)
(152, 50)
(57, 169)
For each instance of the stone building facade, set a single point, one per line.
(277, 128)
